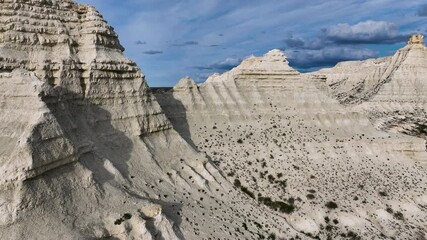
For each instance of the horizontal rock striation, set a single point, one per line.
(86, 152)
(72, 49)
(388, 89)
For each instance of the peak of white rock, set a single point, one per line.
(416, 39)
(275, 55)
(392, 91)
(185, 83)
(273, 64)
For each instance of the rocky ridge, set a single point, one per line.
(283, 140)
(260, 152)
(391, 90)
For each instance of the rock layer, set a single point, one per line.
(284, 142)
(87, 152)
(392, 91)
(77, 53)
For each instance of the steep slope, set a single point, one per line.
(392, 91)
(284, 142)
(86, 151)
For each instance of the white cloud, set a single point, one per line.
(364, 32)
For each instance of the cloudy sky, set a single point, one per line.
(170, 39)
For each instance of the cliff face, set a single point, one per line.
(391, 91)
(85, 149)
(77, 54)
(281, 139)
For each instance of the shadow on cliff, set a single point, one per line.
(101, 147)
(176, 112)
(172, 212)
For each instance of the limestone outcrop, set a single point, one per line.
(416, 39)
(282, 139)
(392, 91)
(86, 151)
(72, 49)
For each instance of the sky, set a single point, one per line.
(170, 39)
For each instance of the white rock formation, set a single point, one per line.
(392, 91)
(323, 166)
(86, 151)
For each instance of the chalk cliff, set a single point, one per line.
(85, 149)
(284, 141)
(392, 91)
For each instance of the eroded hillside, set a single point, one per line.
(283, 141)
(260, 152)
(391, 91)
(86, 151)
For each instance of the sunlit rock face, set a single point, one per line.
(77, 55)
(392, 91)
(285, 140)
(259, 152)
(85, 149)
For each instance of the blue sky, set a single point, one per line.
(170, 39)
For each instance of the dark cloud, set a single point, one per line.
(187, 43)
(299, 43)
(294, 42)
(369, 32)
(341, 42)
(139, 42)
(221, 66)
(153, 52)
(423, 11)
(326, 57)
(207, 67)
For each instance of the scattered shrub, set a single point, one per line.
(331, 205)
(272, 236)
(398, 216)
(245, 226)
(277, 205)
(125, 217)
(383, 194)
(310, 196)
(237, 183)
